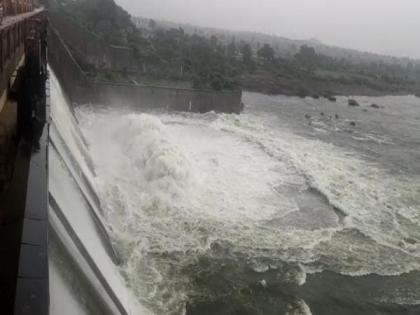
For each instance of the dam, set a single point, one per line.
(126, 198)
(83, 264)
(57, 256)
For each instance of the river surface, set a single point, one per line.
(296, 206)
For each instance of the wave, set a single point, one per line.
(191, 197)
(365, 195)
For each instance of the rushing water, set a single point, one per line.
(268, 212)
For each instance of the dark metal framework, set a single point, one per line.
(24, 282)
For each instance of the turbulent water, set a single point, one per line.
(294, 207)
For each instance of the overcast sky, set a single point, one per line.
(385, 26)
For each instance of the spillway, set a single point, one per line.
(260, 213)
(83, 266)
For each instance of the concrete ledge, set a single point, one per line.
(33, 294)
(32, 288)
(35, 232)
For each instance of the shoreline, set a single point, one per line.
(318, 89)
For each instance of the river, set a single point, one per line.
(296, 206)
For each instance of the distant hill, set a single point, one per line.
(283, 47)
(166, 53)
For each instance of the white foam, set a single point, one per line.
(174, 184)
(66, 125)
(366, 193)
(75, 200)
(299, 307)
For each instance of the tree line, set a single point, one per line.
(209, 63)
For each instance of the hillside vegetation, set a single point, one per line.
(223, 60)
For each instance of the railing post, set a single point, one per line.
(1, 50)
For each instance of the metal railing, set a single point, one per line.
(14, 33)
(13, 7)
(23, 81)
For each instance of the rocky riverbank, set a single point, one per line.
(269, 84)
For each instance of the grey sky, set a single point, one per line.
(384, 26)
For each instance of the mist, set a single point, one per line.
(380, 26)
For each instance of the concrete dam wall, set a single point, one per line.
(168, 98)
(83, 266)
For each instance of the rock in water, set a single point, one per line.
(353, 102)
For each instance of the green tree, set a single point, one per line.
(231, 49)
(246, 52)
(152, 24)
(307, 55)
(266, 52)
